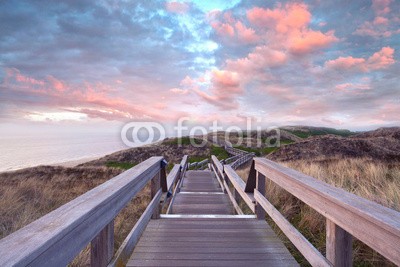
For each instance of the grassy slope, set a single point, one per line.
(29, 194)
(370, 179)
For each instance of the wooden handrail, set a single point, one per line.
(242, 160)
(122, 255)
(218, 165)
(313, 256)
(347, 214)
(240, 185)
(56, 238)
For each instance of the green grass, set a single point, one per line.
(186, 141)
(120, 165)
(287, 142)
(322, 131)
(196, 158)
(219, 152)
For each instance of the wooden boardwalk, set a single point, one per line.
(199, 227)
(203, 231)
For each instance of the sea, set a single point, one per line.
(18, 152)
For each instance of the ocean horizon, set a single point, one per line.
(29, 151)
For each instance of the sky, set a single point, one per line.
(73, 64)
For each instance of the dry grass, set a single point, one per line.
(29, 194)
(375, 181)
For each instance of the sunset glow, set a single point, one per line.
(329, 63)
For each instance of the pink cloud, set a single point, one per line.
(381, 26)
(282, 19)
(246, 35)
(15, 74)
(380, 20)
(379, 60)
(309, 41)
(287, 26)
(56, 84)
(256, 61)
(224, 87)
(229, 28)
(96, 100)
(354, 88)
(177, 7)
(381, 7)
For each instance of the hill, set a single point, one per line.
(382, 144)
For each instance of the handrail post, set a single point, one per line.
(102, 247)
(158, 181)
(260, 186)
(251, 180)
(339, 250)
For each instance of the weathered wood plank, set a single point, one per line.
(56, 238)
(218, 165)
(221, 245)
(352, 213)
(173, 175)
(313, 256)
(225, 263)
(339, 245)
(260, 186)
(232, 197)
(102, 247)
(240, 185)
(126, 248)
(177, 255)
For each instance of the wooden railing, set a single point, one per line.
(242, 160)
(56, 238)
(235, 151)
(347, 215)
(199, 165)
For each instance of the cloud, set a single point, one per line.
(381, 7)
(177, 7)
(224, 87)
(379, 60)
(383, 25)
(228, 28)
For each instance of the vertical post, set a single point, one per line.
(339, 249)
(237, 196)
(155, 186)
(260, 186)
(102, 247)
(251, 180)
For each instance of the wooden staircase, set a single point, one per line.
(203, 230)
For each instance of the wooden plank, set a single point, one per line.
(218, 165)
(172, 176)
(184, 162)
(252, 179)
(210, 250)
(339, 245)
(212, 245)
(313, 256)
(231, 197)
(126, 248)
(260, 186)
(102, 247)
(352, 213)
(218, 178)
(56, 238)
(154, 188)
(210, 256)
(225, 263)
(239, 185)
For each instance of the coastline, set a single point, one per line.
(74, 163)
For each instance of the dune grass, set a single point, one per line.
(369, 179)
